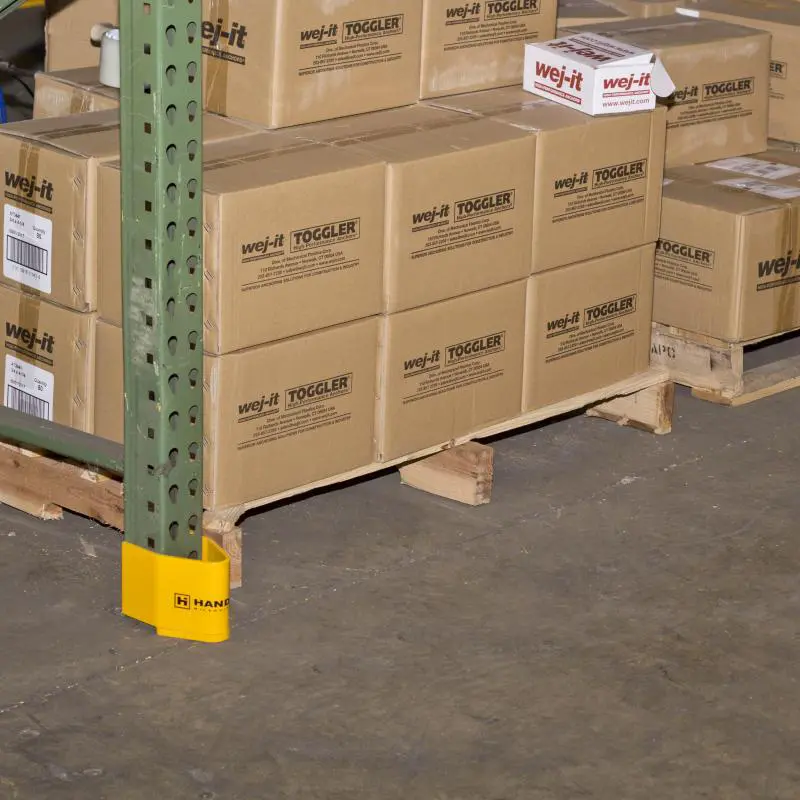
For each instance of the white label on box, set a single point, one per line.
(775, 190)
(27, 248)
(755, 167)
(28, 389)
(688, 12)
(667, 181)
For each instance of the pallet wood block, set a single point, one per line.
(231, 542)
(649, 410)
(464, 474)
(715, 371)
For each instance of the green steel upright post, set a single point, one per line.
(162, 274)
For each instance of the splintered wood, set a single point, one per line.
(715, 370)
(43, 487)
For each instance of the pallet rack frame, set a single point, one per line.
(172, 576)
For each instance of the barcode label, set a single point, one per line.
(27, 255)
(27, 403)
(27, 248)
(28, 389)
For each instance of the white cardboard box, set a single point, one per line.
(595, 75)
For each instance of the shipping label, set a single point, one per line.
(28, 248)
(777, 191)
(28, 389)
(755, 167)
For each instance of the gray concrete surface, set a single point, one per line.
(621, 622)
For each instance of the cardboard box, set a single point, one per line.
(722, 73)
(595, 74)
(459, 204)
(72, 91)
(277, 417)
(727, 261)
(50, 209)
(781, 18)
(588, 326)
(68, 29)
(347, 131)
(646, 8)
(293, 239)
(575, 13)
(597, 185)
(474, 46)
(48, 363)
(283, 62)
(450, 369)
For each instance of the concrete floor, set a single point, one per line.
(621, 622)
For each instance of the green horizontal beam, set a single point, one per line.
(38, 434)
(7, 6)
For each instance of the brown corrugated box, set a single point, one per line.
(588, 326)
(72, 91)
(597, 186)
(469, 46)
(48, 364)
(459, 202)
(50, 189)
(68, 29)
(575, 13)
(283, 62)
(50, 203)
(450, 369)
(347, 131)
(781, 18)
(276, 417)
(293, 239)
(727, 264)
(722, 73)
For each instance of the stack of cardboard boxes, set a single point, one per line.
(727, 258)
(380, 282)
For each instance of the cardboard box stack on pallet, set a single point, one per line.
(402, 245)
(726, 264)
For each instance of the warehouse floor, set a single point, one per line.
(621, 622)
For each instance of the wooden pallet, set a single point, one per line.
(460, 470)
(714, 369)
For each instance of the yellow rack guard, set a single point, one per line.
(180, 597)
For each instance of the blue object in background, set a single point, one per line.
(3, 109)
